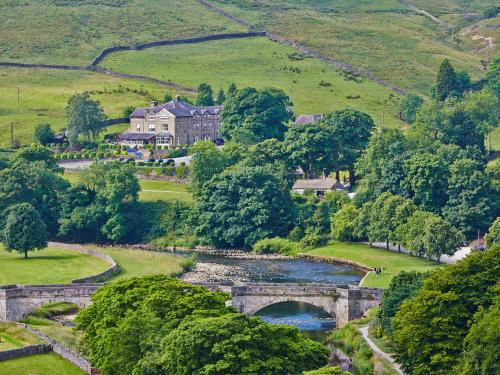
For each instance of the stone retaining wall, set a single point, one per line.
(113, 267)
(27, 350)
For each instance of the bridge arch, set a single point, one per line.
(324, 304)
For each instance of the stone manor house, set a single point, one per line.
(172, 123)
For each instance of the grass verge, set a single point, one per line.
(41, 364)
(13, 336)
(391, 262)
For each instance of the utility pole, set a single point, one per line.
(11, 134)
(18, 100)
(382, 117)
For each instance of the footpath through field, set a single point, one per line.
(378, 351)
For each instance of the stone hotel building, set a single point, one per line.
(172, 123)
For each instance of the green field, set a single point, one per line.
(258, 62)
(164, 191)
(43, 95)
(74, 32)
(48, 266)
(41, 364)
(392, 262)
(384, 36)
(152, 190)
(13, 336)
(136, 263)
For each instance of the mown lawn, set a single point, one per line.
(43, 96)
(258, 62)
(47, 266)
(391, 262)
(136, 263)
(41, 364)
(152, 190)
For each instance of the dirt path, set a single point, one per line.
(378, 351)
(425, 13)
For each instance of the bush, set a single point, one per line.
(149, 163)
(92, 155)
(140, 164)
(107, 154)
(77, 155)
(55, 308)
(64, 156)
(156, 164)
(177, 153)
(100, 154)
(181, 171)
(276, 245)
(103, 146)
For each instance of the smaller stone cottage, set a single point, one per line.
(320, 186)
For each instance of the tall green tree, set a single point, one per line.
(312, 147)
(36, 153)
(221, 97)
(446, 82)
(207, 161)
(409, 107)
(84, 116)
(352, 130)
(34, 183)
(344, 222)
(493, 77)
(440, 237)
(103, 205)
(430, 328)
(43, 133)
(238, 344)
(411, 233)
(471, 203)
(492, 238)
(232, 89)
(243, 205)
(426, 180)
(167, 97)
(23, 229)
(260, 113)
(127, 319)
(205, 95)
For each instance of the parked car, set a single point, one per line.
(170, 161)
(151, 160)
(219, 142)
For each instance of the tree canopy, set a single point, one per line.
(260, 114)
(446, 82)
(205, 95)
(243, 205)
(84, 116)
(43, 133)
(23, 229)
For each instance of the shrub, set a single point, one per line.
(181, 171)
(100, 154)
(92, 155)
(64, 156)
(55, 308)
(177, 153)
(276, 245)
(149, 163)
(103, 146)
(77, 155)
(140, 164)
(156, 164)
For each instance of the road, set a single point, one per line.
(378, 351)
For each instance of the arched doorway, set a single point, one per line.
(310, 319)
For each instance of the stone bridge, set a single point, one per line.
(343, 302)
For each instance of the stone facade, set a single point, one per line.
(172, 123)
(343, 302)
(17, 301)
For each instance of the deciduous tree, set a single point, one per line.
(84, 116)
(205, 95)
(23, 229)
(44, 133)
(446, 83)
(409, 107)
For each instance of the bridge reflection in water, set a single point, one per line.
(313, 321)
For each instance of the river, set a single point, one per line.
(313, 321)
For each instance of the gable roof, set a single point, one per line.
(317, 184)
(307, 119)
(136, 136)
(178, 108)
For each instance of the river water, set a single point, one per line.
(313, 321)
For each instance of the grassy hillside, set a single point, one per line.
(44, 95)
(259, 62)
(384, 36)
(74, 32)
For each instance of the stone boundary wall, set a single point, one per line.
(168, 42)
(308, 51)
(112, 266)
(63, 351)
(25, 351)
(318, 258)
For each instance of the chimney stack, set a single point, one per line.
(153, 103)
(177, 98)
